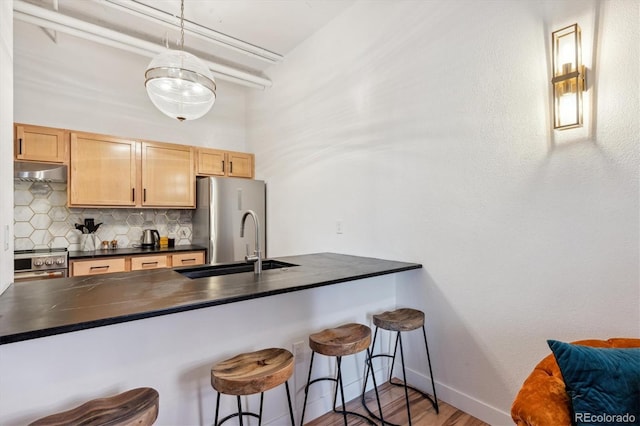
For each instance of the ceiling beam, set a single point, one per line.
(201, 32)
(56, 21)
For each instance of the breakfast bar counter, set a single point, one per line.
(34, 309)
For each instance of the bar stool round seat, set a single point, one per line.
(344, 340)
(251, 373)
(404, 319)
(347, 339)
(398, 321)
(134, 407)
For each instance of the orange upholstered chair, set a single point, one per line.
(543, 400)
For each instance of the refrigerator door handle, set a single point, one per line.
(211, 253)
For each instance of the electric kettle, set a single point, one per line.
(150, 238)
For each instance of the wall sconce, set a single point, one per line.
(568, 78)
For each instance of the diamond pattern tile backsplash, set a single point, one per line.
(42, 220)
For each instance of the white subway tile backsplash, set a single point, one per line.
(41, 220)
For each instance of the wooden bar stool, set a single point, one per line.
(250, 373)
(347, 339)
(398, 321)
(134, 407)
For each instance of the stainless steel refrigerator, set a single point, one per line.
(221, 203)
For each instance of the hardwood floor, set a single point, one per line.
(393, 408)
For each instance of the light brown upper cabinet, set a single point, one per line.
(168, 178)
(109, 171)
(37, 143)
(240, 164)
(103, 171)
(213, 162)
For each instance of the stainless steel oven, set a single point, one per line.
(30, 265)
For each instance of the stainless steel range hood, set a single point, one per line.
(39, 172)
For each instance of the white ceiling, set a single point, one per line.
(276, 26)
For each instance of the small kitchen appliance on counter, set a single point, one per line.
(40, 264)
(150, 238)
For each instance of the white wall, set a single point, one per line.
(425, 128)
(81, 85)
(6, 144)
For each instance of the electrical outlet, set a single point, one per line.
(339, 227)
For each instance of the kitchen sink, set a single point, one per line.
(230, 268)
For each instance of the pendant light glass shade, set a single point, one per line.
(180, 85)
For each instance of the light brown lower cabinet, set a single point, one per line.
(96, 266)
(134, 263)
(187, 259)
(139, 263)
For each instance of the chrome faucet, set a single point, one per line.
(256, 258)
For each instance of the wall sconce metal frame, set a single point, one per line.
(569, 77)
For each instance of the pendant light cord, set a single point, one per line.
(181, 24)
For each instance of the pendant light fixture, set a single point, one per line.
(178, 83)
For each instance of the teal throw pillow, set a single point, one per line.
(603, 383)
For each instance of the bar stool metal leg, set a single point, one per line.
(306, 389)
(338, 387)
(215, 421)
(375, 385)
(344, 408)
(433, 382)
(404, 376)
(239, 410)
(293, 420)
(434, 400)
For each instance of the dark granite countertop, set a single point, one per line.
(33, 309)
(131, 251)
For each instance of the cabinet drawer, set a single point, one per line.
(188, 259)
(96, 267)
(148, 262)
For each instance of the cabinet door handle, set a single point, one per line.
(20, 146)
(144, 195)
(133, 195)
(149, 263)
(222, 166)
(99, 267)
(231, 167)
(188, 260)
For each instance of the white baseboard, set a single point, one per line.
(460, 400)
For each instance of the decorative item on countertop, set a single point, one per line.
(89, 226)
(88, 240)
